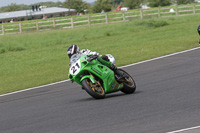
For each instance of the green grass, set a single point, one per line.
(39, 58)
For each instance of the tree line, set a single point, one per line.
(15, 7)
(106, 5)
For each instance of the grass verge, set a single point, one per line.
(34, 59)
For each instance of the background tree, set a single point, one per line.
(100, 5)
(184, 1)
(116, 3)
(15, 7)
(79, 5)
(89, 8)
(49, 4)
(12, 7)
(132, 4)
(157, 3)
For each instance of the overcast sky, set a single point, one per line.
(27, 2)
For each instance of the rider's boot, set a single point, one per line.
(104, 60)
(118, 72)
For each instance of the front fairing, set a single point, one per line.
(77, 69)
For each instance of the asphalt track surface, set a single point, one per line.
(167, 99)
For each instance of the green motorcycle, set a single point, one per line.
(97, 79)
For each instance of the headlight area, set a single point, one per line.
(70, 77)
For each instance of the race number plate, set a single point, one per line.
(75, 68)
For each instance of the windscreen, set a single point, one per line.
(74, 58)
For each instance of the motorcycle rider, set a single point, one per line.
(73, 49)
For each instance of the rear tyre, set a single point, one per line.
(94, 90)
(129, 84)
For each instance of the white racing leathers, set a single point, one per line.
(87, 52)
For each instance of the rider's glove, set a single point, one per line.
(94, 53)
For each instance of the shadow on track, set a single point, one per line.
(108, 96)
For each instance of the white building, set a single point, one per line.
(124, 9)
(50, 12)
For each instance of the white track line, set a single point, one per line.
(119, 67)
(161, 57)
(186, 129)
(33, 88)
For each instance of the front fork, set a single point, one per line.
(96, 85)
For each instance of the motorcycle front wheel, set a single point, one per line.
(95, 90)
(129, 84)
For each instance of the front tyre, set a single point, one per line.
(129, 84)
(94, 90)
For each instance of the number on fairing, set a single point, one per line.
(75, 68)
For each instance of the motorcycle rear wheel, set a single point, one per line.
(96, 91)
(129, 84)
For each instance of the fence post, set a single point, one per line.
(72, 23)
(89, 20)
(106, 17)
(37, 26)
(176, 11)
(54, 23)
(141, 14)
(124, 19)
(20, 28)
(194, 10)
(3, 30)
(159, 12)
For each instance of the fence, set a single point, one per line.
(88, 20)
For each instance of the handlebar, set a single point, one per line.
(92, 57)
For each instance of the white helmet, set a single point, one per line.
(111, 58)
